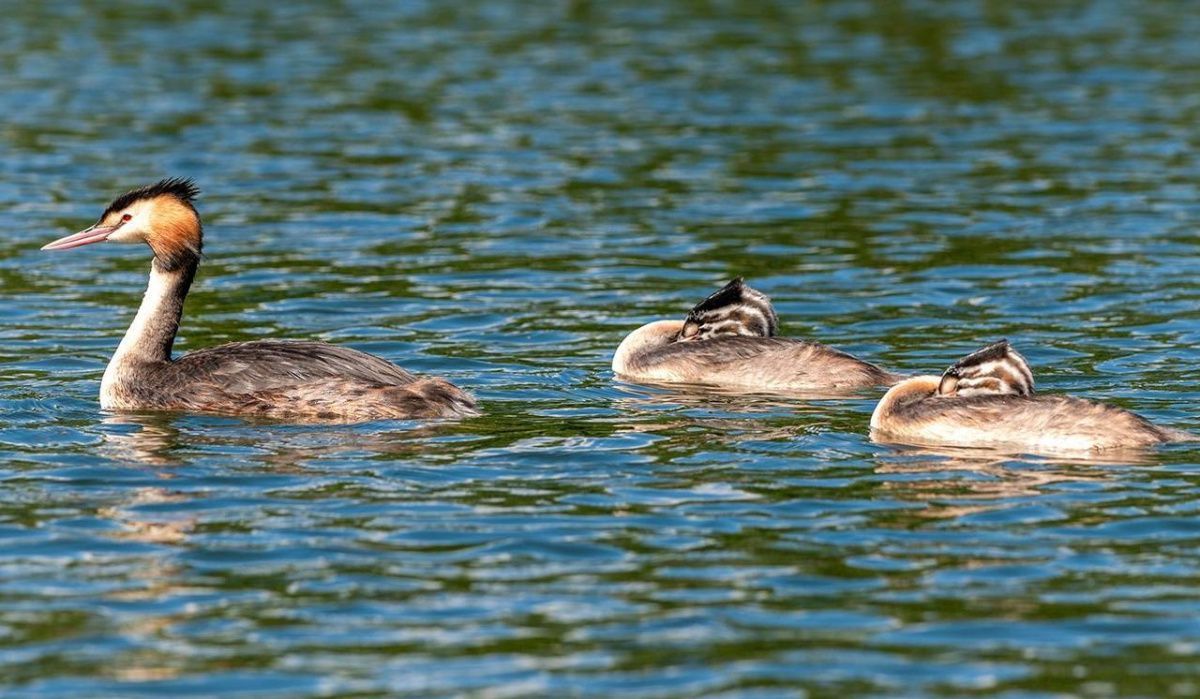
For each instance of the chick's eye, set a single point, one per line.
(126, 217)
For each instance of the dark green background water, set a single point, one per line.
(497, 192)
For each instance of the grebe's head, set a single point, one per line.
(160, 215)
(735, 309)
(997, 369)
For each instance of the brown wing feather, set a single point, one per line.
(767, 361)
(294, 380)
(245, 367)
(1019, 419)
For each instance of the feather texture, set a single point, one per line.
(1034, 423)
(182, 188)
(768, 363)
(281, 379)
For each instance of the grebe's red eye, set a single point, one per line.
(126, 217)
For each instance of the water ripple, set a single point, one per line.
(496, 196)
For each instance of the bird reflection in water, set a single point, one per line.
(953, 482)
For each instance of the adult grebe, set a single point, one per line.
(275, 379)
(728, 340)
(987, 399)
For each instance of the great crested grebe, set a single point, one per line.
(728, 340)
(268, 378)
(987, 399)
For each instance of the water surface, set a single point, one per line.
(496, 193)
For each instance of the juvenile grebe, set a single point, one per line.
(987, 399)
(728, 340)
(276, 379)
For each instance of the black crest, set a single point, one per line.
(735, 309)
(997, 369)
(182, 188)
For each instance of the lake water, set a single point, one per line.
(496, 192)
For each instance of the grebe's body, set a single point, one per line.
(275, 379)
(728, 340)
(986, 400)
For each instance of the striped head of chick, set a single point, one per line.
(995, 370)
(735, 309)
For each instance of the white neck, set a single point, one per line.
(152, 333)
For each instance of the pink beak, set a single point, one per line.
(95, 234)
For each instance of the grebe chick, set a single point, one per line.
(986, 399)
(728, 340)
(268, 378)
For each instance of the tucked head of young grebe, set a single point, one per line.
(735, 309)
(729, 339)
(987, 399)
(269, 378)
(995, 370)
